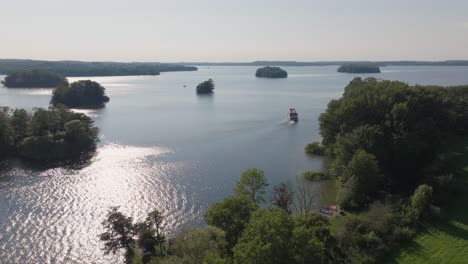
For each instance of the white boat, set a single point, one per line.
(292, 115)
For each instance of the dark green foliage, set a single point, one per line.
(315, 148)
(6, 134)
(266, 239)
(79, 68)
(155, 224)
(35, 78)
(80, 94)
(420, 202)
(404, 127)
(314, 176)
(252, 184)
(359, 68)
(372, 235)
(231, 215)
(196, 245)
(119, 232)
(46, 135)
(271, 72)
(206, 87)
(273, 236)
(359, 181)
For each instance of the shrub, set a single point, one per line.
(314, 176)
(315, 148)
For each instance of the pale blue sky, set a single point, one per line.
(234, 30)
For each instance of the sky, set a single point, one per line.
(234, 30)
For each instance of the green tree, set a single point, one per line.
(360, 180)
(119, 232)
(20, 124)
(231, 215)
(421, 201)
(252, 184)
(155, 220)
(266, 239)
(200, 244)
(6, 134)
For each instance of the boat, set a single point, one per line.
(292, 115)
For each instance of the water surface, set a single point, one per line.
(164, 147)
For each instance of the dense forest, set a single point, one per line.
(80, 94)
(80, 69)
(359, 68)
(34, 78)
(206, 87)
(271, 72)
(392, 149)
(46, 135)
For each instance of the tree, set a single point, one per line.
(6, 134)
(252, 184)
(231, 215)
(198, 244)
(206, 87)
(119, 232)
(283, 197)
(304, 197)
(360, 180)
(20, 124)
(155, 220)
(421, 201)
(266, 239)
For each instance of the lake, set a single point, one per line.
(163, 147)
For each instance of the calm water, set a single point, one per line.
(164, 147)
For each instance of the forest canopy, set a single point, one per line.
(388, 135)
(271, 72)
(81, 68)
(43, 135)
(359, 68)
(80, 94)
(35, 78)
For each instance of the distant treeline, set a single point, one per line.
(359, 68)
(332, 63)
(79, 68)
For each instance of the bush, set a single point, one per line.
(314, 176)
(315, 148)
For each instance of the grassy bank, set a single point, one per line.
(445, 240)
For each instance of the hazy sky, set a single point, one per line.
(234, 30)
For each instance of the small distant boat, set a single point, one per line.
(292, 115)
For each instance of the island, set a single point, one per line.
(80, 94)
(359, 68)
(46, 136)
(34, 78)
(83, 68)
(271, 72)
(206, 87)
